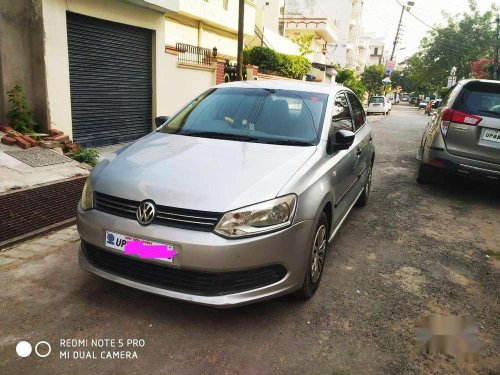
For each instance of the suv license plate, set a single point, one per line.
(491, 135)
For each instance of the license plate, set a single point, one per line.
(491, 135)
(376, 105)
(141, 247)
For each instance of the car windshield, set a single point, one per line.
(377, 99)
(481, 99)
(252, 115)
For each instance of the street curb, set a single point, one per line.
(38, 232)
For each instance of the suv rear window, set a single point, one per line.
(377, 99)
(480, 99)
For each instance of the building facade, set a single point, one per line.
(377, 51)
(100, 71)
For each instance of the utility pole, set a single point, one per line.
(241, 17)
(408, 5)
(495, 65)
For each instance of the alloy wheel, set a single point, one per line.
(318, 254)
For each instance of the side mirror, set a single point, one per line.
(340, 140)
(160, 120)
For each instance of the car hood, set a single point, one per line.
(198, 173)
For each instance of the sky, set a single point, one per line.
(382, 16)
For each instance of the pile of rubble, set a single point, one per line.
(55, 139)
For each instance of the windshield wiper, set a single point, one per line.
(221, 135)
(290, 142)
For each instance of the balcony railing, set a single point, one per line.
(193, 54)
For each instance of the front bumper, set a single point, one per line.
(204, 252)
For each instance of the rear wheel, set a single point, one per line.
(426, 174)
(363, 198)
(317, 255)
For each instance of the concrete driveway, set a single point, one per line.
(414, 250)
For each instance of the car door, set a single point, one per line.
(343, 170)
(361, 141)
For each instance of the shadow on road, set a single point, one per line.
(466, 190)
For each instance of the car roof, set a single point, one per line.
(466, 81)
(327, 88)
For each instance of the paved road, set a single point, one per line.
(413, 250)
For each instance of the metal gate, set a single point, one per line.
(110, 68)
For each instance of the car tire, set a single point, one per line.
(363, 198)
(316, 258)
(426, 174)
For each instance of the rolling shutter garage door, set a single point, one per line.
(110, 77)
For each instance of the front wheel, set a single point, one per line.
(363, 198)
(317, 255)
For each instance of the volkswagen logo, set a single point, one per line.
(145, 212)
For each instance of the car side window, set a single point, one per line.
(341, 114)
(358, 113)
(447, 96)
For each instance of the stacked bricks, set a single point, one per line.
(56, 138)
(13, 137)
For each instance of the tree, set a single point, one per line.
(466, 38)
(304, 42)
(372, 79)
(350, 79)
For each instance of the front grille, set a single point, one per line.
(168, 216)
(180, 279)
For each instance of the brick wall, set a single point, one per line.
(220, 72)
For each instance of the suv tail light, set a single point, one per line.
(451, 115)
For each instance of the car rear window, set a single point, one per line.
(480, 99)
(377, 99)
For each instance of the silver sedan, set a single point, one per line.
(234, 198)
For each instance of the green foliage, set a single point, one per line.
(85, 155)
(372, 79)
(265, 58)
(304, 42)
(443, 91)
(466, 38)
(270, 61)
(20, 116)
(350, 79)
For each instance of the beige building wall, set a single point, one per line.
(187, 81)
(56, 51)
(21, 55)
(179, 29)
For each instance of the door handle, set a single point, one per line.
(358, 151)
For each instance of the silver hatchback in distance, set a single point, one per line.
(246, 185)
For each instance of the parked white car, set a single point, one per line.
(379, 104)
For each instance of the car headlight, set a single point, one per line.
(87, 200)
(258, 218)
